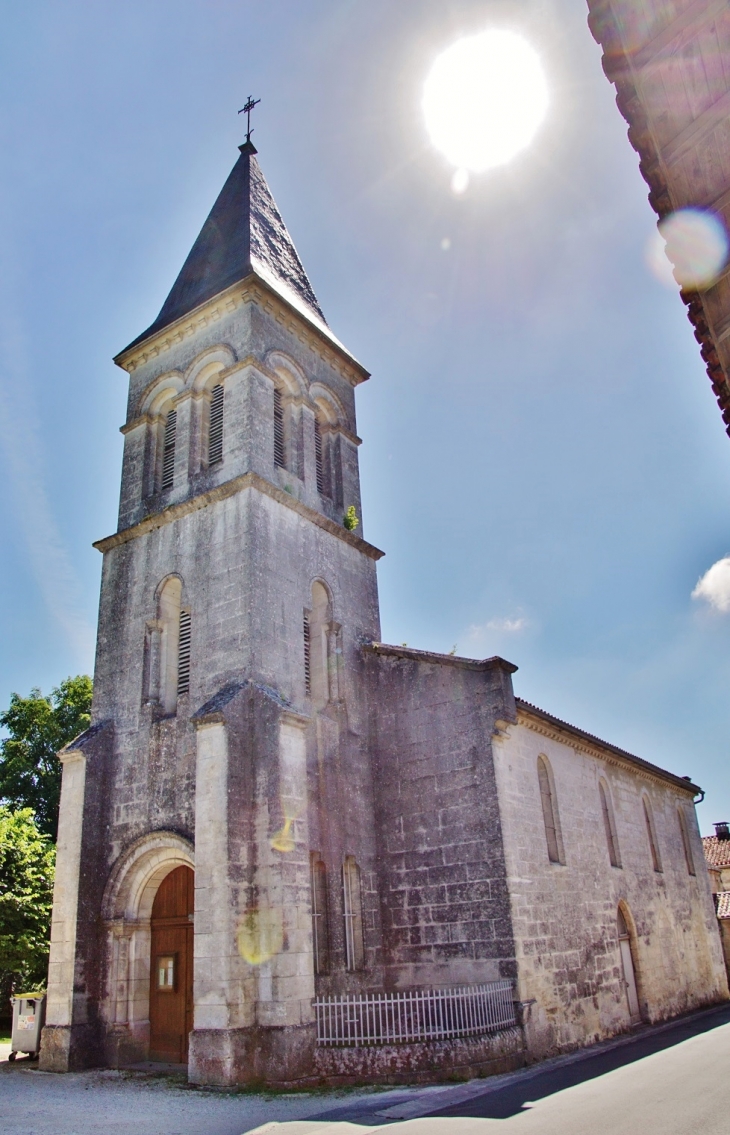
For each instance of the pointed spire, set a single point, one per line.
(243, 235)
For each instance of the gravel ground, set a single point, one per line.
(123, 1103)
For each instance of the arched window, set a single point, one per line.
(685, 841)
(320, 929)
(549, 811)
(609, 823)
(352, 910)
(168, 648)
(651, 833)
(279, 437)
(215, 425)
(168, 450)
(317, 629)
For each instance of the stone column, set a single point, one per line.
(214, 935)
(286, 982)
(56, 1042)
(254, 974)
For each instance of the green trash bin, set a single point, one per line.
(29, 1014)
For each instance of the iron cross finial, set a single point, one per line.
(250, 104)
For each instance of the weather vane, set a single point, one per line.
(251, 103)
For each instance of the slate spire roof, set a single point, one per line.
(244, 234)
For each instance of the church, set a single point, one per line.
(289, 853)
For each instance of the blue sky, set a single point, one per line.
(543, 460)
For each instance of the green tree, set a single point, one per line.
(27, 860)
(38, 727)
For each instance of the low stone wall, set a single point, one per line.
(462, 1059)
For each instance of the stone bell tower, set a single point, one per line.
(228, 737)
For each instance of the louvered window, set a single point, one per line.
(183, 654)
(319, 464)
(215, 426)
(168, 453)
(278, 430)
(352, 910)
(307, 654)
(320, 931)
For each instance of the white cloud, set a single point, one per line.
(479, 631)
(714, 586)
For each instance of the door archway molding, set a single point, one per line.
(126, 911)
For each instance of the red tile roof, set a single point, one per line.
(723, 904)
(717, 851)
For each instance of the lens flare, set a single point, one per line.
(484, 99)
(460, 181)
(690, 248)
(283, 840)
(260, 935)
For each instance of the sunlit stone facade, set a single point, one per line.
(360, 818)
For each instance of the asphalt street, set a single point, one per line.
(673, 1081)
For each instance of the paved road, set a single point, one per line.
(672, 1082)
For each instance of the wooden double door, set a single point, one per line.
(171, 968)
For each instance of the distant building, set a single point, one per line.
(717, 857)
(286, 850)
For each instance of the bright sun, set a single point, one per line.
(484, 99)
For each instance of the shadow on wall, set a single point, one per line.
(511, 1099)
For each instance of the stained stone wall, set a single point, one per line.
(443, 890)
(564, 915)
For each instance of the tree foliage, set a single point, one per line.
(27, 860)
(351, 519)
(38, 728)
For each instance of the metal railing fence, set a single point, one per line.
(415, 1015)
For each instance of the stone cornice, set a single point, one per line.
(228, 489)
(252, 289)
(539, 721)
(494, 663)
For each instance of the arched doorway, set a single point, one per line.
(171, 967)
(627, 966)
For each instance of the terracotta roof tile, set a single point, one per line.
(723, 904)
(717, 851)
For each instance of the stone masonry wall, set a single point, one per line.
(565, 915)
(445, 907)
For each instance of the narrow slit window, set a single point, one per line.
(609, 826)
(307, 654)
(320, 930)
(548, 811)
(168, 452)
(685, 841)
(352, 910)
(279, 451)
(319, 463)
(183, 654)
(653, 846)
(215, 426)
